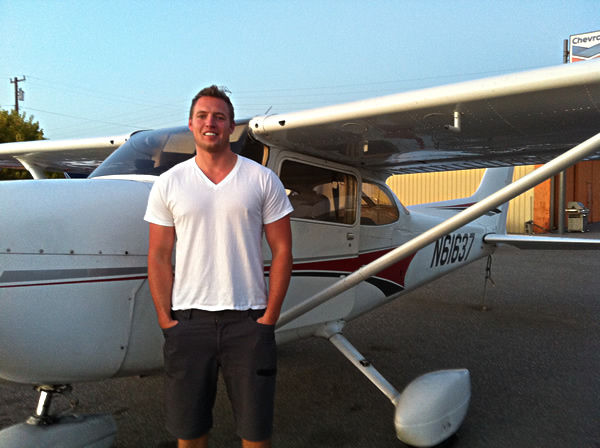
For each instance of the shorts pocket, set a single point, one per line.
(266, 331)
(171, 330)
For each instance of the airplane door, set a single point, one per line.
(325, 229)
(325, 216)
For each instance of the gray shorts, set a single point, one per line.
(201, 344)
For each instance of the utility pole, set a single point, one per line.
(566, 52)
(19, 94)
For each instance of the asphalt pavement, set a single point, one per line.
(533, 355)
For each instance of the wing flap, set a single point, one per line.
(523, 118)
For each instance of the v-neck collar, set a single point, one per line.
(225, 180)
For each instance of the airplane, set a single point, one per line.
(74, 293)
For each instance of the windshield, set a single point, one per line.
(154, 152)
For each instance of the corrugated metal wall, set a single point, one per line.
(431, 187)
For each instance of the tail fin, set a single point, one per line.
(493, 180)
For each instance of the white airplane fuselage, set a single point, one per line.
(73, 271)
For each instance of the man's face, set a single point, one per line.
(211, 124)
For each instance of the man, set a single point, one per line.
(214, 311)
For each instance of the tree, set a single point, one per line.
(15, 127)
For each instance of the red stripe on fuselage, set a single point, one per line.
(395, 273)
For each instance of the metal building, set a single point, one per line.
(430, 187)
(534, 211)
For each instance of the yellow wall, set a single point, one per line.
(431, 187)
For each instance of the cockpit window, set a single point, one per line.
(320, 194)
(377, 207)
(154, 152)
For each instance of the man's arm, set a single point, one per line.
(160, 272)
(279, 238)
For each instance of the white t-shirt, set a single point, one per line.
(219, 228)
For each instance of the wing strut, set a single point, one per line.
(562, 162)
(36, 171)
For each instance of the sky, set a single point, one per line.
(101, 68)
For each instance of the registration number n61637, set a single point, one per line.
(452, 248)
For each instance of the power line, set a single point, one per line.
(85, 119)
(249, 102)
(78, 90)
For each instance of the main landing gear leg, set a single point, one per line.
(42, 414)
(64, 429)
(429, 410)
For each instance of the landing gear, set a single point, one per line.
(42, 414)
(64, 429)
(429, 410)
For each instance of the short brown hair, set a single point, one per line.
(214, 92)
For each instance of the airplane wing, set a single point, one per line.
(75, 156)
(518, 119)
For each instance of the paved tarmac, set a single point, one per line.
(533, 356)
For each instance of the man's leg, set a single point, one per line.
(263, 444)
(201, 442)
(191, 374)
(249, 364)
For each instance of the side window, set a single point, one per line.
(320, 194)
(377, 207)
